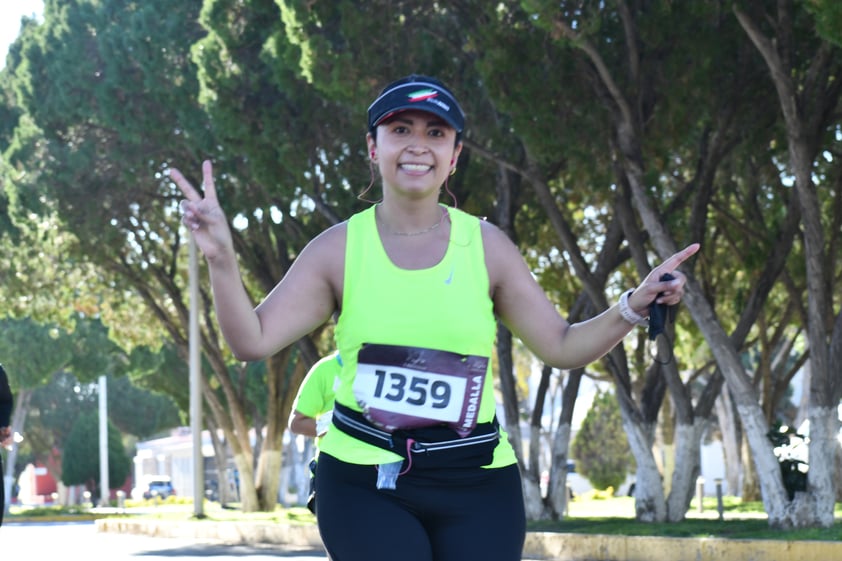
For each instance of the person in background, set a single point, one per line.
(6, 402)
(416, 466)
(312, 409)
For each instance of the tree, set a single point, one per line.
(54, 388)
(284, 176)
(600, 447)
(594, 247)
(133, 109)
(139, 412)
(22, 344)
(630, 103)
(80, 460)
(596, 142)
(804, 70)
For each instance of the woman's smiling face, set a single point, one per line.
(415, 151)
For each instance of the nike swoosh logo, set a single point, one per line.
(449, 278)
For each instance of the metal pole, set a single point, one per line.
(196, 386)
(104, 486)
(720, 507)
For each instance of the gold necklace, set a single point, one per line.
(408, 234)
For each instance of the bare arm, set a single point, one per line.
(299, 423)
(524, 307)
(302, 300)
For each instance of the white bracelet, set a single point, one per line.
(323, 423)
(628, 314)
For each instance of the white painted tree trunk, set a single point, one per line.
(532, 498)
(268, 476)
(649, 503)
(557, 487)
(766, 465)
(730, 441)
(688, 460)
(806, 100)
(838, 472)
(247, 490)
(824, 429)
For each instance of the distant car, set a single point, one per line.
(158, 488)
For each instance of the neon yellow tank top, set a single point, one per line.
(445, 307)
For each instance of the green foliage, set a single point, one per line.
(98, 101)
(80, 460)
(55, 513)
(54, 408)
(828, 14)
(600, 447)
(61, 399)
(22, 345)
(140, 412)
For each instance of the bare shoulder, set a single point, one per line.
(491, 233)
(326, 254)
(309, 292)
(501, 254)
(331, 240)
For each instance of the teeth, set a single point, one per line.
(415, 167)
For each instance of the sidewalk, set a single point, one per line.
(539, 545)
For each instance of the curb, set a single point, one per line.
(596, 547)
(229, 532)
(552, 546)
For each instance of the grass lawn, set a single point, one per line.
(615, 516)
(586, 515)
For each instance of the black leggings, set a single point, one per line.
(2, 490)
(433, 515)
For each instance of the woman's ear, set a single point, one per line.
(372, 147)
(455, 159)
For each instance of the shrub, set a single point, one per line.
(600, 447)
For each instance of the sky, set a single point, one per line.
(10, 13)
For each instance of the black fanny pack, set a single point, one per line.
(425, 448)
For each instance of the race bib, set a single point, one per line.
(409, 387)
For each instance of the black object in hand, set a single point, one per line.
(659, 313)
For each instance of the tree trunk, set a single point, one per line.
(750, 490)
(629, 127)
(649, 502)
(808, 91)
(838, 471)
(270, 458)
(508, 388)
(268, 478)
(557, 494)
(535, 508)
(688, 457)
(220, 451)
(764, 469)
(821, 483)
(18, 420)
(731, 441)
(247, 490)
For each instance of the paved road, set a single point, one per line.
(80, 540)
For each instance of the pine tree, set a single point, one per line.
(600, 447)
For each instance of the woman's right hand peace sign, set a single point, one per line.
(203, 215)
